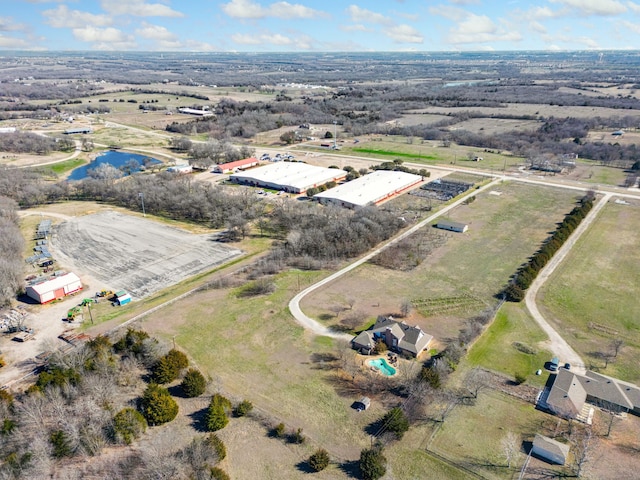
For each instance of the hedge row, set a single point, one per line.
(524, 277)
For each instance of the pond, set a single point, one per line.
(121, 160)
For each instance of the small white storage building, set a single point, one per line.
(550, 450)
(452, 226)
(54, 288)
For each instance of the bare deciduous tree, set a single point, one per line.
(510, 445)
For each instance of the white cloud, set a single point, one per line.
(62, 17)
(138, 8)
(545, 12)
(634, 27)
(105, 35)
(7, 24)
(156, 32)
(538, 27)
(361, 15)
(452, 13)
(593, 7)
(633, 7)
(248, 39)
(404, 34)
(251, 9)
(17, 43)
(358, 27)
(480, 29)
(465, 2)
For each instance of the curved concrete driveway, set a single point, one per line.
(319, 329)
(557, 344)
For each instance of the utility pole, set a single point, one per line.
(335, 134)
(90, 314)
(141, 196)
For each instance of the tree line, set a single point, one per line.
(27, 142)
(524, 277)
(11, 251)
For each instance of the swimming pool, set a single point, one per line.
(382, 366)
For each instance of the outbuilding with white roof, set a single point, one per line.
(54, 288)
(292, 177)
(369, 189)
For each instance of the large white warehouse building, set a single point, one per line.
(292, 177)
(369, 189)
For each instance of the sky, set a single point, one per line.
(319, 25)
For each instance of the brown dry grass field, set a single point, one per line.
(503, 231)
(535, 109)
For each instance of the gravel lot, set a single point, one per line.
(133, 253)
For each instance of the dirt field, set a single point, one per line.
(135, 254)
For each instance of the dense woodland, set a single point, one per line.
(11, 251)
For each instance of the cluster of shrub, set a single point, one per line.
(86, 400)
(515, 291)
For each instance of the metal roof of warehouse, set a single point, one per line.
(370, 188)
(291, 174)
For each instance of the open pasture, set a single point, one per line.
(495, 126)
(506, 225)
(592, 298)
(536, 110)
(252, 348)
(428, 152)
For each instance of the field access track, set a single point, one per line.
(136, 254)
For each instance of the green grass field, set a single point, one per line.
(497, 350)
(66, 166)
(472, 435)
(592, 298)
(415, 150)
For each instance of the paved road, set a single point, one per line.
(319, 329)
(557, 344)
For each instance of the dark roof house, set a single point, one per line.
(398, 336)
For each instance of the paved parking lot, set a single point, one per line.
(135, 254)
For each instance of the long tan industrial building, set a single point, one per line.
(291, 177)
(370, 189)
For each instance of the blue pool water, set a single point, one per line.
(112, 157)
(382, 365)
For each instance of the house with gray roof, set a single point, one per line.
(567, 395)
(550, 450)
(570, 392)
(398, 336)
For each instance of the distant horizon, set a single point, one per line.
(270, 26)
(286, 52)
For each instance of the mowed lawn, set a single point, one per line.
(592, 298)
(472, 435)
(500, 348)
(504, 230)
